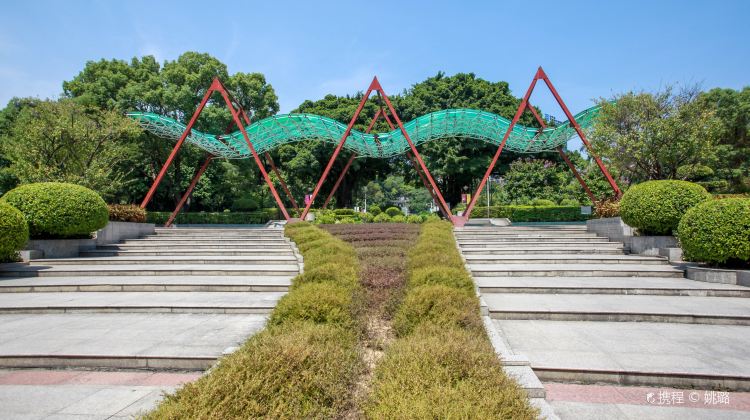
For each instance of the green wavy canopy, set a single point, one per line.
(270, 133)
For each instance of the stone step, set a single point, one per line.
(123, 340)
(505, 241)
(213, 235)
(521, 250)
(184, 252)
(635, 353)
(609, 285)
(545, 228)
(287, 258)
(536, 244)
(177, 241)
(628, 308)
(478, 235)
(564, 259)
(216, 229)
(281, 246)
(139, 302)
(146, 284)
(22, 270)
(574, 270)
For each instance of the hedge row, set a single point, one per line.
(717, 232)
(442, 365)
(533, 213)
(215, 218)
(656, 207)
(303, 365)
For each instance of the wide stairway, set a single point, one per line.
(584, 312)
(177, 299)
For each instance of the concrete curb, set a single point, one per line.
(107, 361)
(717, 275)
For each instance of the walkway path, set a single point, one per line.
(584, 312)
(176, 300)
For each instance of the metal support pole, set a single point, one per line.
(339, 179)
(281, 181)
(236, 117)
(560, 150)
(519, 112)
(189, 191)
(338, 149)
(577, 127)
(177, 146)
(413, 149)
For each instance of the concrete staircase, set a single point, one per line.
(584, 312)
(177, 299)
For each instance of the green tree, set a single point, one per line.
(650, 136)
(64, 141)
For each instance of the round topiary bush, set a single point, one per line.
(14, 232)
(375, 210)
(542, 202)
(717, 232)
(393, 211)
(59, 210)
(655, 207)
(382, 218)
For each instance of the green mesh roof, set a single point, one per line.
(272, 132)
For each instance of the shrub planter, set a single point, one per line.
(650, 245)
(611, 227)
(718, 275)
(59, 248)
(115, 232)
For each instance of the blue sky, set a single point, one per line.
(309, 48)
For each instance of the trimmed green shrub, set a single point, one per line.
(455, 277)
(320, 303)
(247, 204)
(126, 213)
(296, 371)
(381, 218)
(393, 211)
(444, 373)
(14, 232)
(59, 210)
(344, 212)
(414, 219)
(569, 202)
(717, 232)
(542, 202)
(433, 218)
(325, 219)
(399, 218)
(655, 207)
(533, 213)
(439, 305)
(333, 272)
(374, 210)
(367, 217)
(215, 218)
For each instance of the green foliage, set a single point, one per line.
(393, 211)
(532, 213)
(374, 209)
(569, 202)
(325, 219)
(655, 207)
(212, 218)
(320, 303)
(650, 136)
(717, 232)
(530, 179)
(381, 218)
(14, 232)
(455, 277)
(245, 204)
(296, 371)
(344, 212)
(333, 272)
(63, 141)
(542, 202)
(414, 219)
(399, 218)
(59, 210)
(438, 305)
(444, 373)
(126, 213)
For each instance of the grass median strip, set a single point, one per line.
(442, 365)
(305, 363)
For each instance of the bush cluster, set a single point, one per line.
(717, 232)
(127, 213)
(59, 210)
(533, 213)
(306, 361)
(442, 364)
(393, 211)
(215, 218)
(14, 232)
(655, 207)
